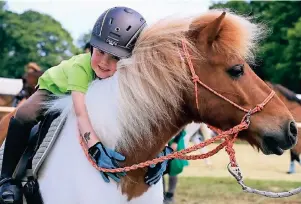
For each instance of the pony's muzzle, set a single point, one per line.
(277, 142)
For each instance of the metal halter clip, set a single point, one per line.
(248, 117)
(235, 172)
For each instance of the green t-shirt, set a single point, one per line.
(74, 74)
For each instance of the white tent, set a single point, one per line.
(10, 86)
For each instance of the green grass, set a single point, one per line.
(197, 190)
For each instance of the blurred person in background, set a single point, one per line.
(30, 81)
(174, 168)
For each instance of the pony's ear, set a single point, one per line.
(211, 31)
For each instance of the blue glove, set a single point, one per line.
(107, 158)
(155, 172)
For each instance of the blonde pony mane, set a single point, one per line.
(153, 80)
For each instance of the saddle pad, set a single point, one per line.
(45, 147)
(47, 144)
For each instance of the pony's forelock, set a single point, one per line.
(239, 36)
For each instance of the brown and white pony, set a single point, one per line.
(151, 97)
(293, 103)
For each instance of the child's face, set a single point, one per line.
(103, 64)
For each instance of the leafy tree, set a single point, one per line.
(31, 36)
(239, 7)
(289, 69)
(84, 39)
(2, 5)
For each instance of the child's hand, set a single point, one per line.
(155, 172)
(107, 158)
(174, 146)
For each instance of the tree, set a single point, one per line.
(84, 39)
(280, 17)
(239, 7)
(289, 69)
(2, 5)
(31, 36)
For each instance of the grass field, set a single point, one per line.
(202, 184)
(253, 164)
(198, 190)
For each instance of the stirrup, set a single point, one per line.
(10, 192)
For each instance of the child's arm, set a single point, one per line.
(104, 157)
(84, 124)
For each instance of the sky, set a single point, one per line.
(79, 16)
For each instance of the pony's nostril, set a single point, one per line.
(293, 129)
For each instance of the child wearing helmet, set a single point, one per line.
(113, 37)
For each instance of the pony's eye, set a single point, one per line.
(236, 71)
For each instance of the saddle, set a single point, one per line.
(42, 138)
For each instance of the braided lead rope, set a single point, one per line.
(179, 154)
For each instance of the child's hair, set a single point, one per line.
(87, 46)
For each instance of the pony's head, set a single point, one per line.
(226, 44)
(157, 90)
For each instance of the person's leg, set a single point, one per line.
(164, 188)
(16, 141)
(173, 180)
(164, 183)
(172, 184)
(166, 175)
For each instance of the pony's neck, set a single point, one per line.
(103, 111)
(133, 184)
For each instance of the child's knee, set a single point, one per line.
(24, 115)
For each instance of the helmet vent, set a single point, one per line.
(111, 21)
(128, 28)
(128, 10)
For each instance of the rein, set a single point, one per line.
(233, 168)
